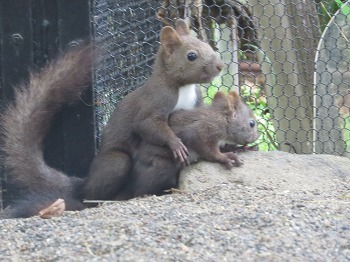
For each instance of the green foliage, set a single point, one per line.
(346, 132)
(327, 8)
(209, 93)
(257, 102)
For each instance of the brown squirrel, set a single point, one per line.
(227, 120)
(25, 124)
(181, 62)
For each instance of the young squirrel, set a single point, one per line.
(228, 119)
(181, 62)
(25, 124)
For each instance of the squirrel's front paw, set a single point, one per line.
(228, 164)
(234, 157)
(180, 151)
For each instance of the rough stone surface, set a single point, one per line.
(274, 170)
(277, 207)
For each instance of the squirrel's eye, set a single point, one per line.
(252, 123)
(191, 56)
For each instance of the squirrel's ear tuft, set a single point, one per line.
(234, 98)
(219, 96)
(181, 27)
(169, 39)
(222, 103)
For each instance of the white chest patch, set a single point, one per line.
(187, 98)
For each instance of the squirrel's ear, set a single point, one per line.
(234, 99)
(169, 39)
(182, 27)
(219, 96)
(222, 103)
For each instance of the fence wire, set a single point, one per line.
(270, 49)
(128, 32)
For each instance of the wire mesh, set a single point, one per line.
(128, 32)
(269, 48)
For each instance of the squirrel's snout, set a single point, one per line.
(219, 66)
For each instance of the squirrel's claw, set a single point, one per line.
(181, 153)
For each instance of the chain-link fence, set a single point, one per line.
(128, 31)
(270, 48)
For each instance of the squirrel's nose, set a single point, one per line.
(220, 66)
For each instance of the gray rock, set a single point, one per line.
(273, 170)
(276, 207)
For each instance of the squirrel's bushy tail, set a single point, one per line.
(25, 125)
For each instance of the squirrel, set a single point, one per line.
(25, 124)
(182, 61)
(227, 120)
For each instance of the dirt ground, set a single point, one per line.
(274, 170)
(276, 207)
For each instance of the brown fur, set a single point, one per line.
(25, 125)
(143, 114)
(202, 130)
